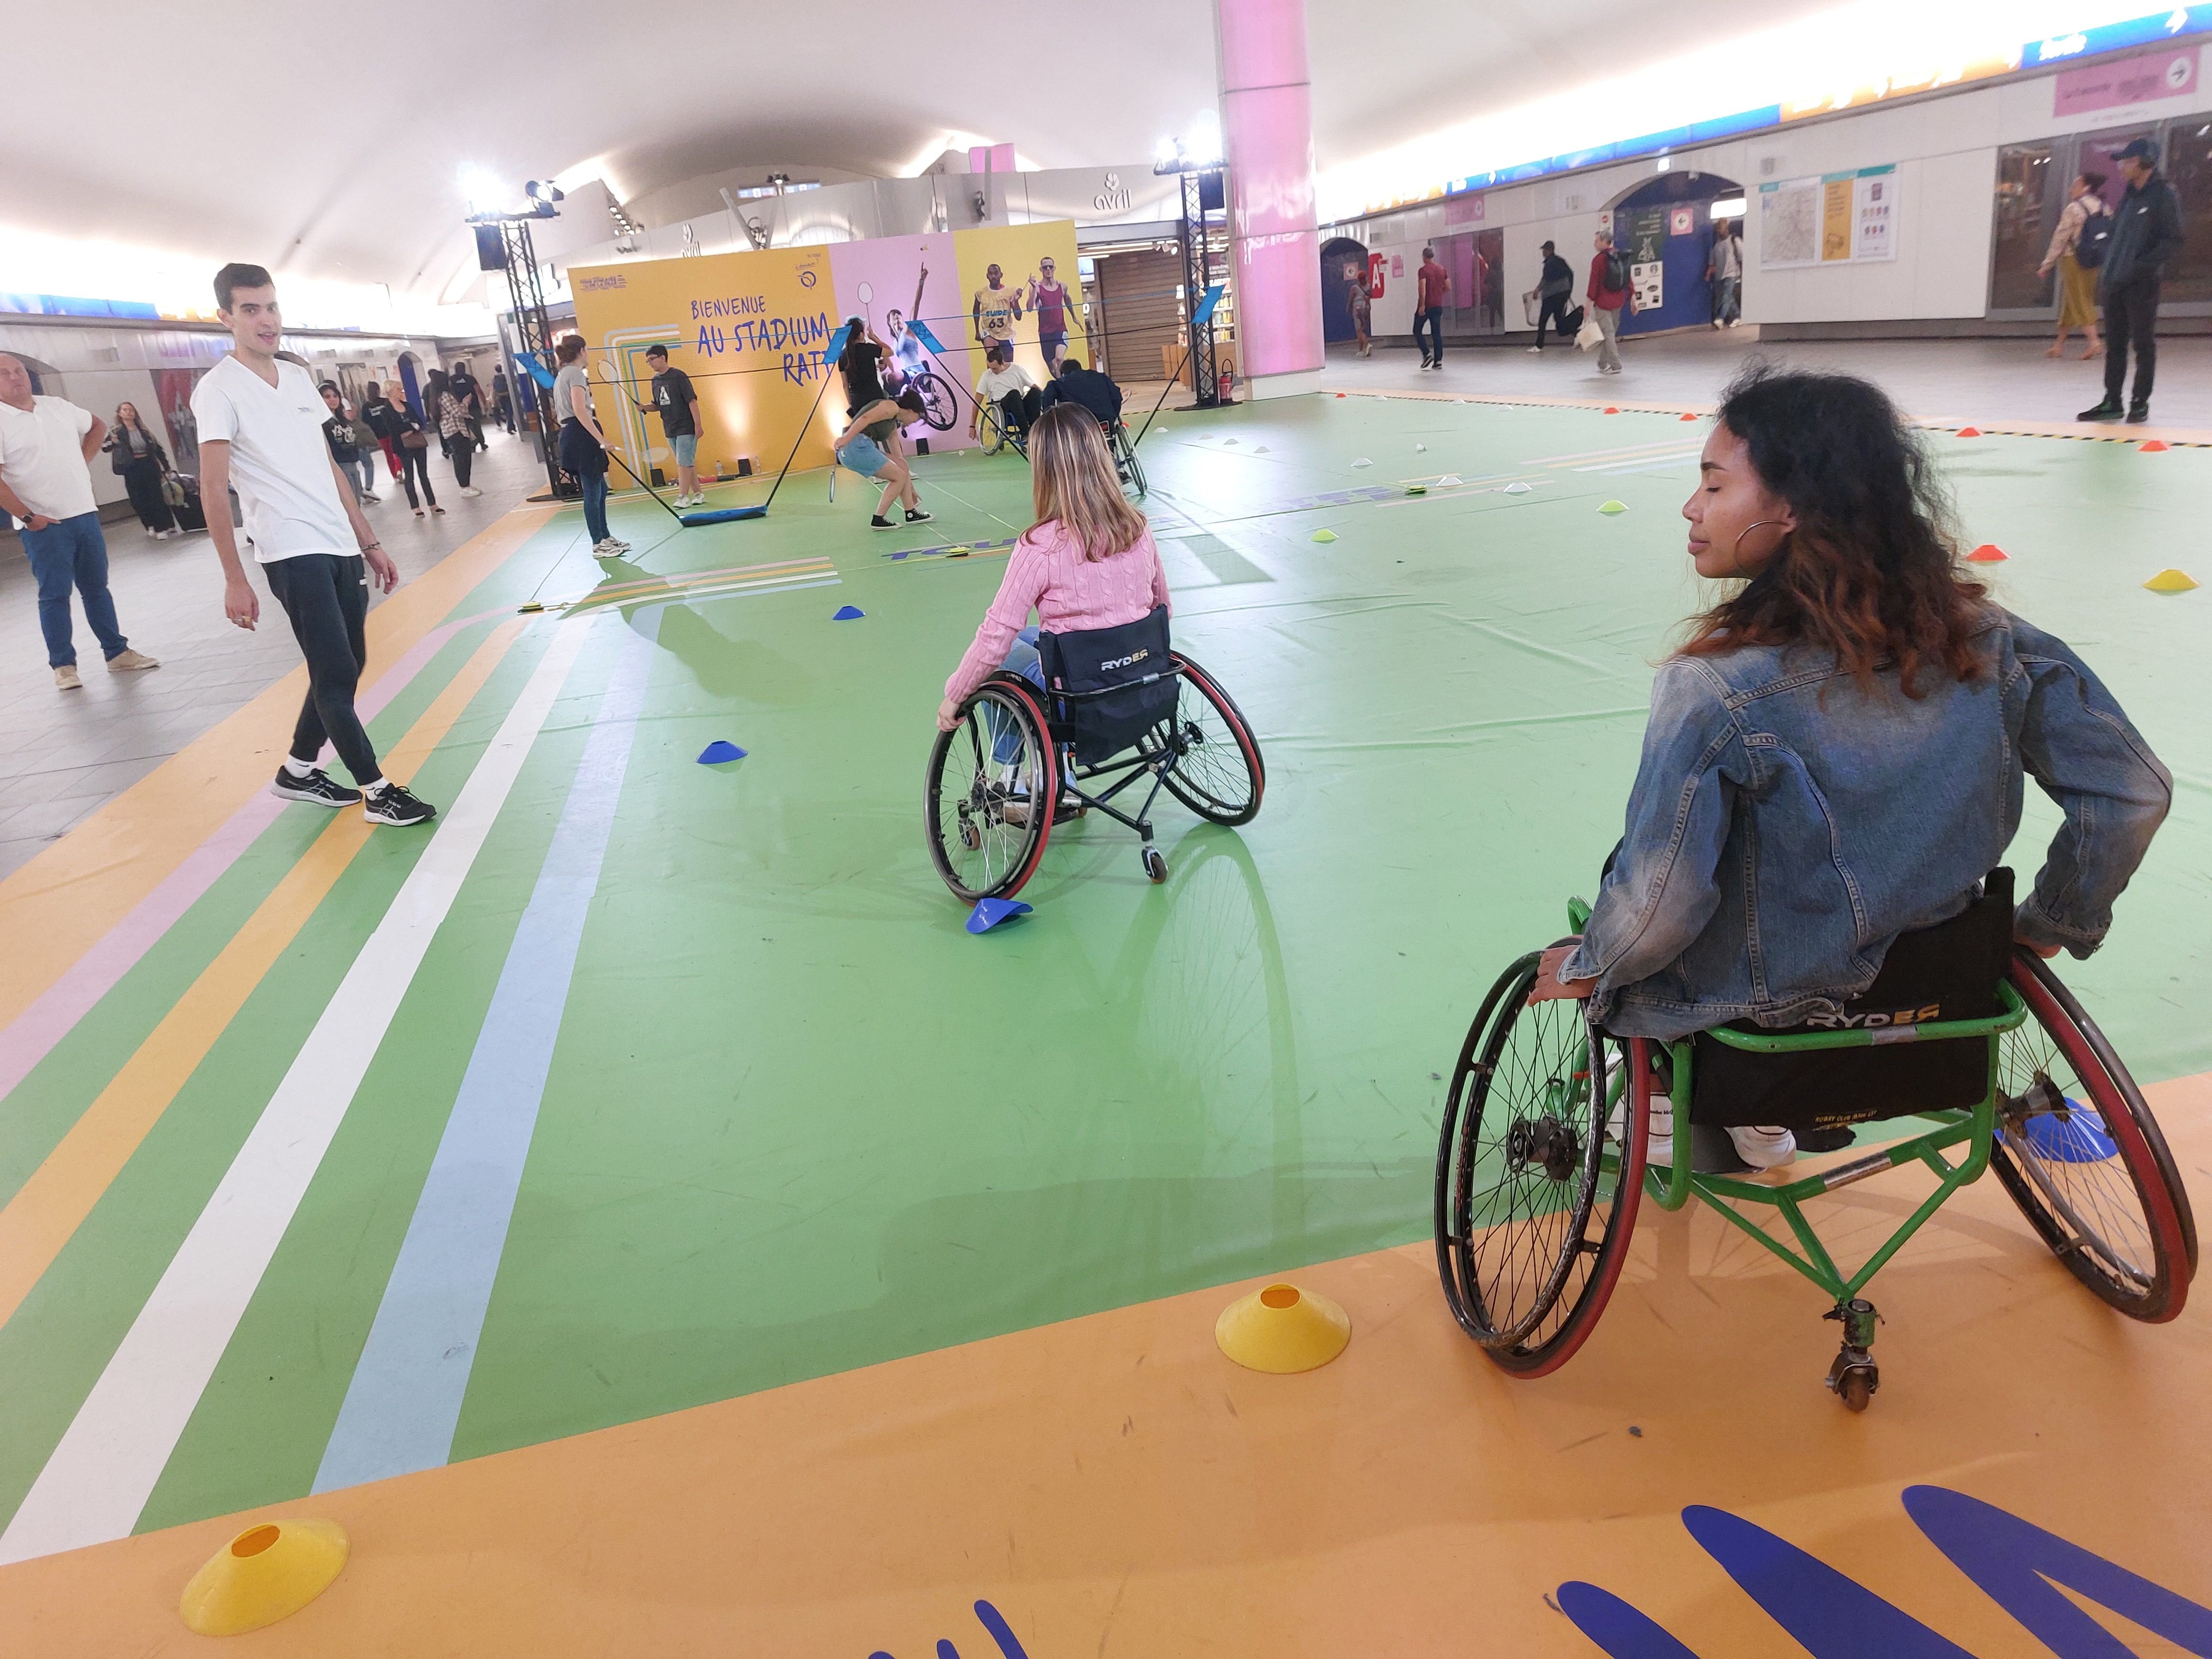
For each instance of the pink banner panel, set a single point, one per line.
(2130, 81)
(1266, 124)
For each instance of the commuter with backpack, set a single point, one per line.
(1610, 298)
(2077, 251)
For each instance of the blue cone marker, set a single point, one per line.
(848, 613)
(719, 750)
(990, 912)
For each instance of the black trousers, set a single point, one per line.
(2130, 319)
(1020, 410)
(1554, 312)
(462, 453)
(143, 480)
(325, 596)
(414, 466)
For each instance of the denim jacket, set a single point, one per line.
(1787, 824)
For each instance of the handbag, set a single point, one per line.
(414, 440)
(173, 491)
(1588, 337)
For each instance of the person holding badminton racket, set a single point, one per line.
(583, 446)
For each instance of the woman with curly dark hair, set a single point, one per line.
(1837, 754)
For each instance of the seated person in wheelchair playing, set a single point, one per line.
(1088, 387)
(1088, 562)
(1836, 755)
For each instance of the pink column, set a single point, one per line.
(1267, 129)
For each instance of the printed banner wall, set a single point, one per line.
(1020, 252)
(749, 329)
(888, 283)
(1834, 219)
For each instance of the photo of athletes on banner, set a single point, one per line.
(750, 332)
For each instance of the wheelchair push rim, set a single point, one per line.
(1218, 772)
(991, 782)
(2098, 1185)
(1539, 1167)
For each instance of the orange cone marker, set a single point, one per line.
(1689, 417)
(1611, 411)
(1970, 432)
(2154, 446)
(1987, 553)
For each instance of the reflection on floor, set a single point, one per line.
(684, 1226)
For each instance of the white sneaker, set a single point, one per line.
(1535, 351)
(606, 548)
(1764, 1147)
(470, 490)
(370, 496)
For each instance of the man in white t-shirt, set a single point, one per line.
(46, 488)
(1007, 384)
(260, 422)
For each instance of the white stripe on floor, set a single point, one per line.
(98, 1478)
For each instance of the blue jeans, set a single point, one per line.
(359, 473)
(71, 552)
(1724, 298)
(582, 458)
(1434, 318)
(595, 507)
(1022, 659)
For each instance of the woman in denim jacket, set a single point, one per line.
(1837, 754)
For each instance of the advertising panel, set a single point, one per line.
(747, 328)
(1836, 218)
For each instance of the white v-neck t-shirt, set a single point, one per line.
(42, 456)
(280, 465)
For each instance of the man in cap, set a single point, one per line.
(2146, 235)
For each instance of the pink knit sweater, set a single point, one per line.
(1048, 572)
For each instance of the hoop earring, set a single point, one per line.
(1735, 548)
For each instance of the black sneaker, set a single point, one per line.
(2138, 413)
(2107, 411)
(392, 805)
(318, 788)
(916, 515)
(877, 522)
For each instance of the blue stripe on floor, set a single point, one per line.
(404, 1400)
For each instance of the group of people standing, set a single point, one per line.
(453, 409)
(2117, 257)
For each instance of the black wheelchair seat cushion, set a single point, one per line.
(1124, 672)
(1946, 972)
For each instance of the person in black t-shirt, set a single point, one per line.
(679, 404)
(861, 364)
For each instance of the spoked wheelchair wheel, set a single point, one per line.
(1130, 470)
(992, 779)
(1218, 772)
(2080, 1154)
(1538, 1170)
(990, 430)
(937, 405)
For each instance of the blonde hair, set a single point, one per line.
(1074, 482)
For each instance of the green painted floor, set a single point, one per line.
(800, 1121)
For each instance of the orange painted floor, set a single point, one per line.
(1113, 1486)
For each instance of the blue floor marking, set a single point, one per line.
(404, 1401)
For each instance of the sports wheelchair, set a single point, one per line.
(1543, 1156)
(993, 434)
(1116, 705)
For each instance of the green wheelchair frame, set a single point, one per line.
(1546, 1135)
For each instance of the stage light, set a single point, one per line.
(483, 189)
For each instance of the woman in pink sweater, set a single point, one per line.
(1088, 562)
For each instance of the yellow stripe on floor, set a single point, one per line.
(47, 1210)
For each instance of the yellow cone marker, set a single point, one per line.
(266, 1573)
(1324, 535)
(1282, 1329)
(1610, 507)
(2171, 581)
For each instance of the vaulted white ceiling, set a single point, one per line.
(328, 139)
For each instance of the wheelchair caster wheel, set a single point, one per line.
(1854, 1383)
(1155, 865)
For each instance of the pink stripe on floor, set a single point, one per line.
(33, 1034)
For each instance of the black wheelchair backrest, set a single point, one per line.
(1108, 686)
(1946, 972)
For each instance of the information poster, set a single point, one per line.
(1647, 256)
(1839, 218)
